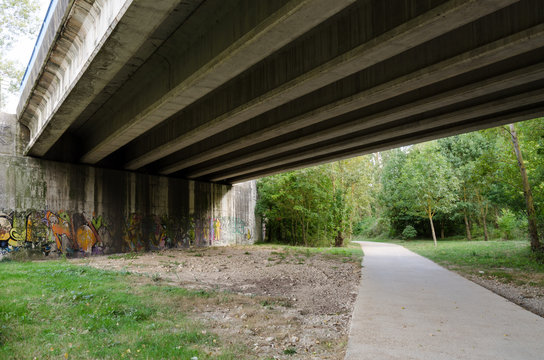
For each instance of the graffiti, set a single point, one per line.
(49, 232)
(217, 230)
(77, 234)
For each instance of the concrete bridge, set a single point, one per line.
(120, 93)
(227, 91)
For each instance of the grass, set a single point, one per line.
(350, 253)
(508, 261)
(127, 256)
(57, 310)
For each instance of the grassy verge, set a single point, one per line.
(57, 310)
(352, 252)
(508, 261)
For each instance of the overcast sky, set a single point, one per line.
(21, 53)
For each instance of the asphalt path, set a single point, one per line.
(410, 308)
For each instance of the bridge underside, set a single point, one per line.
(227, 91)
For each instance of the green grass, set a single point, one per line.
(352, 252)
(508, 261)
(54, 310)
(127, 256)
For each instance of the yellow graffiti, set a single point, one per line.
(5, 228)
(85, 238)
(16, 239)
(217, 229)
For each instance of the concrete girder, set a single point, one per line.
(395, 131)
(495, 84)
(456, 129)
(425, 27)
(499, 50)
(93, 46)
(275, 30)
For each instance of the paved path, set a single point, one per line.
(410, 308)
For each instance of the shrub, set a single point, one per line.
(409, 232)
(507, 222)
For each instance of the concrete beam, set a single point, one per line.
(395, 131)
(457, 129)
(96, 42)
(248, 47)
(492, 85)
(423, 28)
(502, 49)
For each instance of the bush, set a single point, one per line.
(507, 222)
(409, 232)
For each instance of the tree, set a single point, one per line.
(463, 152)
(17, 18)
(531, 213)
(430, 184)
(316, 206)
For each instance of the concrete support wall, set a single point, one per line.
(80, 210)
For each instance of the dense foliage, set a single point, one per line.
(468, 185)
(319, 205)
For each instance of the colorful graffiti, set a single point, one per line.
(79, 234)
(50, 232)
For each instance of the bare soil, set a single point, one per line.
(278, 302)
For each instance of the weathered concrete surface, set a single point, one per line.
(53, 207)
(227, 91)
(410, 308)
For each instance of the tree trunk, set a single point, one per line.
(442, 230)
(432, 229)
(483, 213)
(484, 222)
(531, 214)
(339, 240)
(430, 214)
(467, 225)
(465, 214)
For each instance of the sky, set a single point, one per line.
(21, 53)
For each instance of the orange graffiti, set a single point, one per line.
(85, 238)
(60, 227)
(5, 228)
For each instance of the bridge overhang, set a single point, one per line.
(230, 91)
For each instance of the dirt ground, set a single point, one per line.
(281, 303)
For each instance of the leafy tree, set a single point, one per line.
(17, 18)
(463, 152)
(316, 206)
(430, 186)
(527, 193)
(392, 195)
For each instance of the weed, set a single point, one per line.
(290, 351)
(126, 256)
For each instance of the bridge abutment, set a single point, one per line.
(58, 208)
